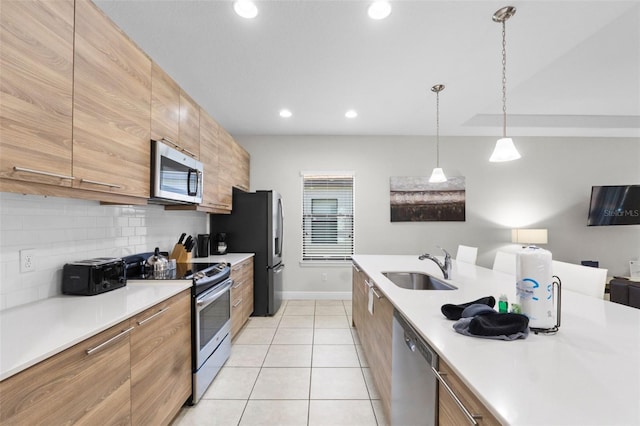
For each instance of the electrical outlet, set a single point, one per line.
(324, 277)
(27, 260)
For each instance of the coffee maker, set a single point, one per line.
(219, 244)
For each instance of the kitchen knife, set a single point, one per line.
(191, 245)
(188, 241)
(184, 234)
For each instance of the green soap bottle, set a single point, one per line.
(503, 305)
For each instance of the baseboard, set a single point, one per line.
(316, 295)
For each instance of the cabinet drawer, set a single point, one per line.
(88, 383)
(449, 412)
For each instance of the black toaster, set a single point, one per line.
(93, 276)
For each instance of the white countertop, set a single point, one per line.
(231, 258)
(33, 332)
(586, 374)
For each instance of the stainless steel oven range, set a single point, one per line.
(211, 328)
(210, 313)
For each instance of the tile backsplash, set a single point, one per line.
(62, 230)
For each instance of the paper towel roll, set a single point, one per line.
(534, 287)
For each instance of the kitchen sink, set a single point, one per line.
(417, 281)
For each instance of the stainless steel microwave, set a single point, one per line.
(176, 177)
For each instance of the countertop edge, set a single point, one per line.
(172, 290)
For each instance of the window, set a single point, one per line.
(327, 217)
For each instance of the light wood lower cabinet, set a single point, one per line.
(88, 383)
(375, 331)
(241, 295)
(161, 361)
(137, 372)
(449, 411)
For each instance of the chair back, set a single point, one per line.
(582, 279)
(505, 262)
(467, 254)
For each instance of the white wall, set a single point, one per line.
(65, 230)
(548, 188)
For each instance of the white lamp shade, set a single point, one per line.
(505, 150)
(437, 176)
(529, 236)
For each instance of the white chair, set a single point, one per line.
(467, 254)
(505, 262)
(581, 279)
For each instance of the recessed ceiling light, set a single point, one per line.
(285, 113)
(379, 9)
(351, 114)
(245, 8)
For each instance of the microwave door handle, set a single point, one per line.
(189, 191)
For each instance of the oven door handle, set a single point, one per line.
(210, 296)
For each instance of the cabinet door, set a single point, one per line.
(161, 360)
(209, 147)
(237, 300)
(358, 302)
(449, 412)
(189, 139)
(241, 166)
(248, 288)
(111, 108)
(381, 336)
(225, 168)
(165, 105)
(241, 295)
(36, 86)
(88, 383)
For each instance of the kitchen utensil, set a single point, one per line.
(184, 234)
(187, 242)
(157, 261)
(203, 245)
(220, 243)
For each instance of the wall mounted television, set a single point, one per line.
(614, 205)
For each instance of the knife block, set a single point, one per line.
(180, 254)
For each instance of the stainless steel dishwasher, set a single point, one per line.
(414, 388)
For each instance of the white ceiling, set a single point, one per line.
(573, 67)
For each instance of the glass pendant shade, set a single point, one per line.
(437, 176)
(505, 150)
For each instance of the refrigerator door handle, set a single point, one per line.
(278, 268)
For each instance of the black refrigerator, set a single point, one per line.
(255, 226)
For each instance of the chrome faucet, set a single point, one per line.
(446, 268)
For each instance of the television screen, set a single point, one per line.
(614, 205)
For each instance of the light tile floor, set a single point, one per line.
(303, 366)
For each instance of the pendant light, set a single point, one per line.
(504, 150)
(437, 175)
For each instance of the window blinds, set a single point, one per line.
(327, 217)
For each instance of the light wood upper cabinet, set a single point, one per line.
(111, 108)
(225, 168)
(241, 165)
(88, 383)
(36, 87)
(165, 105)
(161, 360)
(189, 140)
(209, 155)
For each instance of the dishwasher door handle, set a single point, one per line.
(471, 417)
(410, 343)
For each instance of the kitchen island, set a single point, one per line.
(586, 374)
